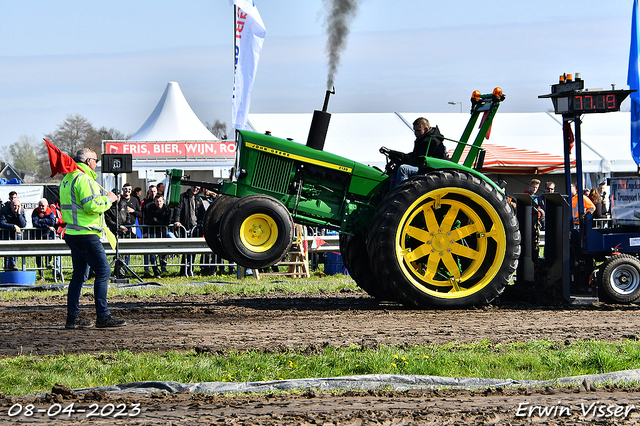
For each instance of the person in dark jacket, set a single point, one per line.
(43, 219)
(188, 214)
(594, 196)
(145, 204)
(133, 207)
(429, 143)
(123, 217)
(12, 220)
(189, 210)
(158, 217)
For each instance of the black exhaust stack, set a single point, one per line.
(320, 124)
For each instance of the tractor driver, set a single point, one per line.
(429, 142)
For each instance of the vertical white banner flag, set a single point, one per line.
(249, 36)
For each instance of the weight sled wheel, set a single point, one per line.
(446, 239)
(620, 282)
(257, 231)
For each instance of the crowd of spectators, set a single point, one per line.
(594, 200)
(128, 217)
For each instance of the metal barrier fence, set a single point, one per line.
(32, 250)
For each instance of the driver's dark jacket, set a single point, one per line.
(432, 140)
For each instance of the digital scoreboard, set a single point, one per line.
(569, 98)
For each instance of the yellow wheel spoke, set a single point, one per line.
(464, 251)
(492, 234)
(417, 253)
(465, 231)
(430, 219)
(449, 219)
(451, 265)
(418, 234)
(432, 266)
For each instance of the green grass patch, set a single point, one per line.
(537, 360)
(226, 284)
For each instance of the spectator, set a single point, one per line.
(134, 218)
(598, 213)
(60, 225)
(602, 190)
(207, 259)
(148, 202)
(137, 193)
(588, 205)
(123, 217)
(12, 220)
(44, 221)
(549, 188)
(190, 210)
(160, 189)
(144, 206)
(13, 195)
(534, 184)
(119, 207)
(133, 207)
(157, 219)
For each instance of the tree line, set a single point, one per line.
(28, 154)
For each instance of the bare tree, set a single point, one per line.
(74, 133)
(112, 134)
(219, 129)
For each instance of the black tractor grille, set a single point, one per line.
(272, 173)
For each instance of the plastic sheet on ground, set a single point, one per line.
(364, 383)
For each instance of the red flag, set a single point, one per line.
(568, 134)
(59, 161)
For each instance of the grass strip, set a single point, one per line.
(205, 284)
(535, 360)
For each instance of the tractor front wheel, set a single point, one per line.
(257, 231)
(212, 219)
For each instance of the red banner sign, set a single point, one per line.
(142, 150)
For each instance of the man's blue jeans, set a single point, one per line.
(403, 173)
(87, 252)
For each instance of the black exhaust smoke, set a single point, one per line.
(320, 124)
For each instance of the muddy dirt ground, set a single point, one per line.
(278, 322)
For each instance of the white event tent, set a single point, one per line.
(173, 137)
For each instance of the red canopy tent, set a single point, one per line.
(505, 160)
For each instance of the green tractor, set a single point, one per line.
(446, 238)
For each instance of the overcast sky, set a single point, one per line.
(110, 60)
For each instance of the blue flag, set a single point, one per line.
(633, 80)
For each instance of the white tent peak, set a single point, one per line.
(173, 120)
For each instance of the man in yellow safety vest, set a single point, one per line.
(82, 210)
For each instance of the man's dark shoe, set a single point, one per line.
(156, 273)
(73, 323)
(109, 321)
